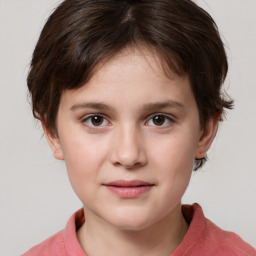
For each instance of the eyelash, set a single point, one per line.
(167, 118)
(88, 119)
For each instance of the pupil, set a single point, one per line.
(158, 120)
(97, 120)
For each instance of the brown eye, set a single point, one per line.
(96, 121)
(160, 120)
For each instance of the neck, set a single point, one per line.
(161, 238)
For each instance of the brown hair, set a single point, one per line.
(81, 34)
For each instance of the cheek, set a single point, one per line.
(175, 153)
(174, 159)
(81, 150)
(176, 172)
(84, 158)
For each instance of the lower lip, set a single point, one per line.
(129, 192)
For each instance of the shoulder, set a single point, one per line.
(225, 242)
(64, 243)
(205, 238)
(52, 246)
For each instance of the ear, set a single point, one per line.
(53, 141)
(207, 136)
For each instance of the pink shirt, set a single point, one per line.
(203, 238)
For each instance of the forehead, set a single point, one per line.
(145, 58)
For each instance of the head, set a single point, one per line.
(129, 60)
(81, 35)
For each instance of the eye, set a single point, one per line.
(95, 121)
(160, 120)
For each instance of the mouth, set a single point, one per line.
(129, 189)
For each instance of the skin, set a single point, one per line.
(130, 143)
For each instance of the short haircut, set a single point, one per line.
(81, 34)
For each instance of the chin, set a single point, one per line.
(131, 226)
(131, 221)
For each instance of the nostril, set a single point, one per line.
(130, 166)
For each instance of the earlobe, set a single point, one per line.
(54, 142)
(207, 137)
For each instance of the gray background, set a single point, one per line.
(35, 196)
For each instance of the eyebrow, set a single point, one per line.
(94, 105)
(148, 107)
(164, 104)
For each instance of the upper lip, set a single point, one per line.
(128, 183)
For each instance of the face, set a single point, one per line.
(129, 138)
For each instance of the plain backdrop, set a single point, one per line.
(36, 199)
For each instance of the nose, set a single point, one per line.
(128, 149)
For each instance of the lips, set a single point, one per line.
(128, 189)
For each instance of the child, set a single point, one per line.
(129, 95)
